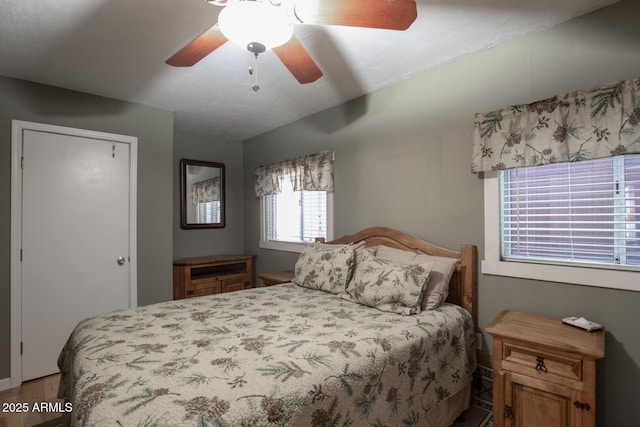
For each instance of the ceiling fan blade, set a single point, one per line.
(198, 48)
(385, 14)
(298, 61)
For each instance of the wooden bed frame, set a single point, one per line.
(462, 287)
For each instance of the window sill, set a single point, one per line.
(599, 277)
(283, 246)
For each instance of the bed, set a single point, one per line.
(293, 354)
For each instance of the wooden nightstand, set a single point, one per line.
(544, 372)
(269, 279)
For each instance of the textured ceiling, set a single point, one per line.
(117, 49)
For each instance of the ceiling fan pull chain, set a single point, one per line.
(254, 72)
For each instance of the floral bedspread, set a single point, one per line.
(281, 356)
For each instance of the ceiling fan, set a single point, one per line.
(280, 15)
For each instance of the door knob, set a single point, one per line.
(121, 260)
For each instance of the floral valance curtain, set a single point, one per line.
(583, 125)
(313, 172)
(205, 191)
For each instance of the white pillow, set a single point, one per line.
(438, 285)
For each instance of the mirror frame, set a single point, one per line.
(184, 194)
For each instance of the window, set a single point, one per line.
(208, 212)
(292, 219)
(569, 222)
(581, 212)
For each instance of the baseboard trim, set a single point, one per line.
(5, 384)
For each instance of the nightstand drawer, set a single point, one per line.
(528, 361)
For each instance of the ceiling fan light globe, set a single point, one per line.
(248, 21)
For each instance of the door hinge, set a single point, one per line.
(20, 255)
(21, 348)
(22, 162)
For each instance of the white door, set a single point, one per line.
(76, 227)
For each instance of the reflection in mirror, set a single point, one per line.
(201, 194)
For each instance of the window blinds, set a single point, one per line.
(585, 212)
(314, 208)
(294, 216)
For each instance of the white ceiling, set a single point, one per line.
(117, 49)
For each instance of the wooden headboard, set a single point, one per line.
(462, 288)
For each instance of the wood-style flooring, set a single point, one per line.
(30, 393)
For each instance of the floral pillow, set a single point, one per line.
(388, 286)
(437, 288)
(325, 267)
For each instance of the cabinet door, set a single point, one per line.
(230, 285)
(202, 288)
(530, 402)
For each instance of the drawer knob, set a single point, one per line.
(581, 405)
(540, 366)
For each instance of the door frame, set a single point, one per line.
(17, 130)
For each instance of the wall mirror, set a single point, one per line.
(201, 194)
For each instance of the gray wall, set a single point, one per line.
(403, 159)
(215, 241)
(23, 100)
